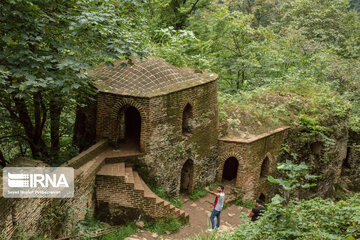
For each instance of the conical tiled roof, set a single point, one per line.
(147, 77)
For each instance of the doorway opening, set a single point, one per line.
(129, 121)
(230, 169)
(187, 173)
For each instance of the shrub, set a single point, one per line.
(160, 227)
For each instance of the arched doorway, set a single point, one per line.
(264, 172)
(231, 166)
(129, 121)
(186, 119)
(187, 173)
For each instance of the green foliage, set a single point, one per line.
(246, 204)
(121, 233)
(174, 200)
(312, 219)
(45, 48)
(315, 219)
(296, 176)
(163, 226)
(201, 192)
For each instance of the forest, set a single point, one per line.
(279, 62)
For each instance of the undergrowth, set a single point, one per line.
(174, 200)
(201, 192)
(163, 226)
(121, 233)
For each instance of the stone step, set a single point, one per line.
(137, 182)
(148, 193)
(129, 175)
(113, 169)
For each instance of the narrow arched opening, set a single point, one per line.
(264, 172)
(187, 174)
(231, 166)
(346, 163)
(186, 119)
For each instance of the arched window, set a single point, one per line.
(265, 168)
(186, 119)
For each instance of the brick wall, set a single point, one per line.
(37, 217)
(166, 148)
(250, 155)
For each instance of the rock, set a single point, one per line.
(193, 205)
(231, 214)
(240, 208)
(167, 232)
(140, 224)
(154, 235)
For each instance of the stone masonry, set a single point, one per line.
(257, 159)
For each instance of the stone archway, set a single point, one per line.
(187, 175)
(129, 127)
(230, 169)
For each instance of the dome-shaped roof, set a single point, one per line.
(147, 77)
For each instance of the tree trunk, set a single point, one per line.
(37, 144)
(2, 159)
(56, 107)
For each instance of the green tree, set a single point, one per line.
(45, 47)
(296, 176)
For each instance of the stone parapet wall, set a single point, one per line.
(49, 216)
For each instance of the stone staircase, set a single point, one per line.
(118, 186)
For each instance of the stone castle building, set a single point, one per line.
(154, 124)
(170, 116)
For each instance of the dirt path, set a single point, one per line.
(199, 211)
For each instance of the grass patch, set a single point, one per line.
(201, 192)
(175, 201)
(247, 204)
(121, 233)
(172, 225)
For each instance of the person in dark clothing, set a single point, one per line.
(257, 211)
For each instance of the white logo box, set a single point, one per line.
(38, 182)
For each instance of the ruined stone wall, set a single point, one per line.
(250, 155)
(350, 170)
(50, 216)
(324, 155)
(169, 148)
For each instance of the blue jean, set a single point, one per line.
(212, 219)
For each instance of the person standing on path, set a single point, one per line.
(218, 205)
(257, 211)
